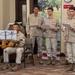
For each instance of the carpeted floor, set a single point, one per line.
(40, 70)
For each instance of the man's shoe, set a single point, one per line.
(17, 67)
(73, 67)
(70, 68)
(41, 62)
(54, 61)
(49, 61)
(5, 67)
(64, 61)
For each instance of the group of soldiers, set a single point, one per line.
(35, 30)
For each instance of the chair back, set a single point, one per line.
(28, 43)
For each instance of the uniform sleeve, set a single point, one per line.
(22, 40)
(57, 27)
(42, 23)
(22, 29)
(66, 34)
(27, 26)
(74, 29)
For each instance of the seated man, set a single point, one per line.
(3, 45)
(18, 49)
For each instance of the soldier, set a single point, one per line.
(70, 39)
(34, 29)
(63, 59)
(51, 36)
(19, 42)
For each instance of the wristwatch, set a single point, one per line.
(67, 1)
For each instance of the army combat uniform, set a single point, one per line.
(70, 39)
(33, 31)
(18, 49)
(51, 36)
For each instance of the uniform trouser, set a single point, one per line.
(70, 47)
(10, 50)
(39, 43)
(51, 46)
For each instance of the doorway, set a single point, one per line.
(18, 5)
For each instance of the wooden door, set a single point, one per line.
(19, 4)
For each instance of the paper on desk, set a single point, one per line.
(66, 24)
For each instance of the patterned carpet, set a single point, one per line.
(40, 70)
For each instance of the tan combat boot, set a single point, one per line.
(73, 67)
(64, 61)
(40, 60)
(70, 68)
(5, 66)
(49, 61)
(54, 61)
(16, 67)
